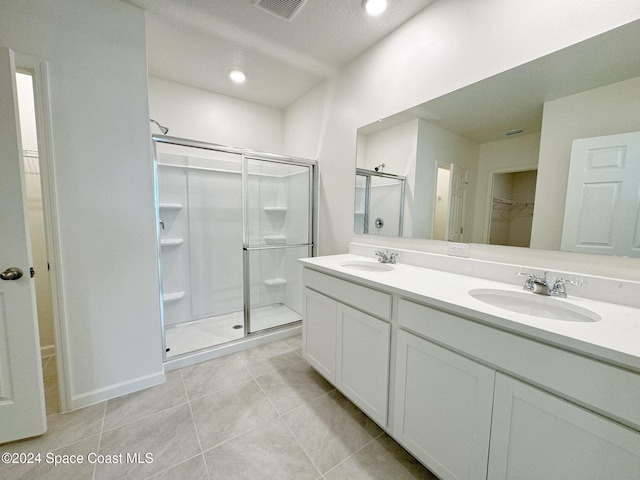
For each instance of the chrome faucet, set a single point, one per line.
(541, 285)
(387, 257)
(559, 290)
(535, 284)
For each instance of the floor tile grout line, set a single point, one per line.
(104, 415)
(177, 464)
(195, 427)
(373, 439)
(304, 450)
(235, 385)
(233, 437)
(143, 418)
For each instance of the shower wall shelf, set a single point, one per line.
(275, 239)
(170, 206)
(172, 297)
(171, 242)
(275, 209)
(275, 282)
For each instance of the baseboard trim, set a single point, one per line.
(116, 390)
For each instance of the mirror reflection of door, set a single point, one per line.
(451, 181)
(441, 216)
(602, 213)
(512, 208)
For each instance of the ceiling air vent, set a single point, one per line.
(285, 9)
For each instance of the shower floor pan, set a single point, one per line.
(209, 332)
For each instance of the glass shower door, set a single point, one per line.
(277, 232)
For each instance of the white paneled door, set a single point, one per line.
(602, 211)
(22, 412)
(457, 186)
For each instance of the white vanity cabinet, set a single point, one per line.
(468, 396)
(538, 435)
(443, 408)
(319, 333)
(362, 371)
(345, 343)
(528, 433)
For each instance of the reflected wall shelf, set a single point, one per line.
(275, 209)
(171, 242)
(275, 282)
(275, 239)
(170, 206)
(172, 297)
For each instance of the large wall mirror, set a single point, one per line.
(546, 155)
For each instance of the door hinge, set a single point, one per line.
(32, 272)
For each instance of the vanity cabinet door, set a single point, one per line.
(362, 374)
(442, 410)
(319, 333)
(538, 435)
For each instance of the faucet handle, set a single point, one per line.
(559, 289)
(382, 256)
(393, 256)
(528, 285)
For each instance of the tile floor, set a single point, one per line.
(259, 414)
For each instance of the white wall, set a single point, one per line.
(305, 122)
(96, 56)
(196, 114)
(617, 108)
(447, 46)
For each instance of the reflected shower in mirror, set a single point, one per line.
(379, 206)
(471, 158)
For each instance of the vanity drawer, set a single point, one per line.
(601, 387)
(363, 298)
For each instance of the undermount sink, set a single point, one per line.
(367, 266)
(535, 305)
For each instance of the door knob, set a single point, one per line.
(13, 273)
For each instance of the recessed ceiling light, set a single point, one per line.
(375, 7)
(237, 76)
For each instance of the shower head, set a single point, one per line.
(379, 168)
(164, 130)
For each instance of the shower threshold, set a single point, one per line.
(212, 331)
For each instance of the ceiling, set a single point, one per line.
(196, 42)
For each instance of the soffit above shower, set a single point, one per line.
(195, 42)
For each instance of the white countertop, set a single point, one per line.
(615, 338)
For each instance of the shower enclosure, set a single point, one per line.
(379, 203)
(232, 224)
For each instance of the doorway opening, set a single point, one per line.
(441, 217)
(513, 195)
(37, 232)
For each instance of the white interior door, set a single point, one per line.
(603, 196)
(22, 411)
(457, 185)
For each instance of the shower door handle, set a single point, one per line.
(13, 273)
